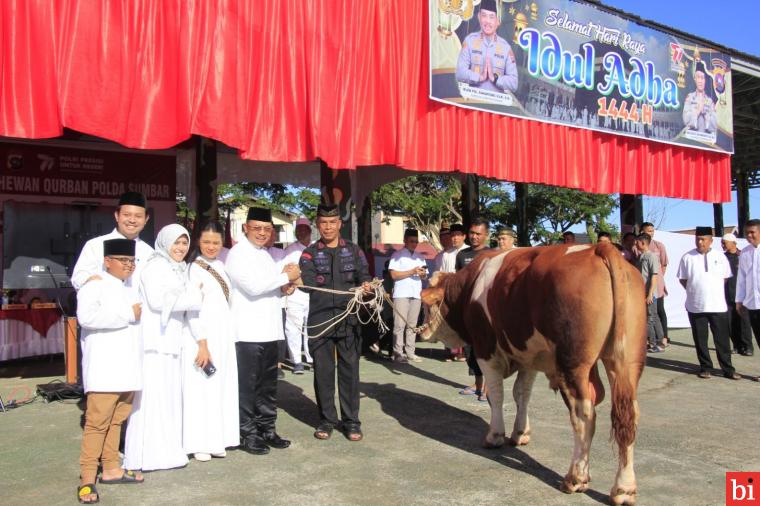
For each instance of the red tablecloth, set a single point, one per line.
(40, 319)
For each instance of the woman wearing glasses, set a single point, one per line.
(209, 366)
(154, 434)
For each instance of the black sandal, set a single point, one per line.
(87, 489)
(324, 431)
(353, 432)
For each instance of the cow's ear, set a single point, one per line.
(437, 278)
(432, 296)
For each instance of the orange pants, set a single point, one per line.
(106, 412)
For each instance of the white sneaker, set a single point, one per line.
(413, 358)
(202, 457)
(220, 455)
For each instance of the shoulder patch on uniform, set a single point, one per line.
(306, 255)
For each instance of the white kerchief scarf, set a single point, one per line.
(164, 241)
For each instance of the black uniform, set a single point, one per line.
(338, 268)
(464, 258)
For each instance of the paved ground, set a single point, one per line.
(422, 444)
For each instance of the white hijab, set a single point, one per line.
(164, 241)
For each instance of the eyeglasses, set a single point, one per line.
(261, 228)
(126, 262)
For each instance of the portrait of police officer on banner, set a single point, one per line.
(486, 60)
(699, 107)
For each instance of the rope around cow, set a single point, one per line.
(372, 303)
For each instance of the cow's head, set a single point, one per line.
(436, 328)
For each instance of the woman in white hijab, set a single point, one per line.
(154, 433)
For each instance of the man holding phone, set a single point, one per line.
(407, 269)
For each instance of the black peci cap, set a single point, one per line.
(457, 227)
(259, 214)
(328, 210)
(700, 231)
(121, 247)
(489, 5)
(133, 199)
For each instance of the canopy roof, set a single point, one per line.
(291, 80)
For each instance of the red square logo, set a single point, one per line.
(743, 489)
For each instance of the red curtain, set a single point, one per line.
(293, 80)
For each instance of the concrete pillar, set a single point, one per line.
(631, 212)
(718, 219)
(336, 189)
(742, 199)
(470, 199)
(205, 182)
(521, 203)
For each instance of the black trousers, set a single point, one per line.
(719, 326)
(257, 384)
(324, 351)
(754, 320)
(739, 329)
(472, 361)
(662, 314)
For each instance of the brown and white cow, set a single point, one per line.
(557, 310)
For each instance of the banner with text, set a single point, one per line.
(30, 169)
(571, 63)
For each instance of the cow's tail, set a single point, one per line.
(624, 412)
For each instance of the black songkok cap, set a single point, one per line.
(328, 210)
(259, 214)
(411, 232)
(457, 227)
(133, 199)
(700, 231)
(489, 5)
(119, 247)
(700, 67)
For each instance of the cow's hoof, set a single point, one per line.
(494, 440)
(619, 496)
(574, 485)
(519, 439)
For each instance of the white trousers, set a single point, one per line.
(295, 331)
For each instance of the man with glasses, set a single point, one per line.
(335, 264)
(131, 216)
(257, 286)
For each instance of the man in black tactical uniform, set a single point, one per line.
(334, 263)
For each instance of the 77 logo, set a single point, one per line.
(676, 52)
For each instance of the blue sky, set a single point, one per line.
(731, 23)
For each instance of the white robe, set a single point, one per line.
(210, 417)
(154, 433)
(255, 298)
(111, 343)
(90, 261)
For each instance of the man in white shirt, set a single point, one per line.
(257, 285)
(445, 236)
(131, 216)
(407, 269)
(448, 264)
(297, 304)
(748, 279)
(703, 272)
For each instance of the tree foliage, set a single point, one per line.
(553, 210)
(294, 199)
(427, 201)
